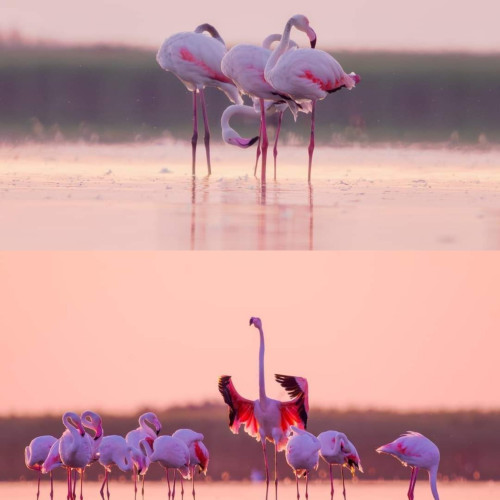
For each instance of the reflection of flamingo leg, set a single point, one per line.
(194, 139)
(311, 142)
(275, 149)
(207, 133)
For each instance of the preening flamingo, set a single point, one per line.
(75, 449)
(93, 421)
(229, 135)
(195, 59)
(336, 449)
(415, 450)
(171, 453)
(142, 462)
(244, 64)
(305, 74)
(198, 453)
(149, 428)
(114, 450)
(266, 418)
(302, 454)
(35, 455)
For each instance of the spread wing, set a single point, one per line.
(241, 410)
(294, 412)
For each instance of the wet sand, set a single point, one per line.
(143, 197)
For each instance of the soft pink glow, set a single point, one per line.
(119, 330)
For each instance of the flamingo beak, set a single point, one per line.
(312, 37)
(251, 321)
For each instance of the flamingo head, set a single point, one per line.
(256, 322)
(92, 420)
(152, 420)
(71, 418)
(302, 23)
(241, 141)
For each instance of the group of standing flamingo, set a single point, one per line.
(284, 424)
(286, 77)
(77, 449)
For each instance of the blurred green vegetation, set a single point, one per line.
(112, 94)
(468, 440)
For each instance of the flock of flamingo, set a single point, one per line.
(287, 77)
(282, 423)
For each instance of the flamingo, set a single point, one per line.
(418, 452)
(35, 455)
(195, 59)
(302, 454)
(229, 135)
(244, 64)
(198, 453)
(93, 421)
(75, 449)
(266, 418)
(114, 450)
(149, 428)
(142, 462)
(171, 453)
(336, 449)
(305, 74)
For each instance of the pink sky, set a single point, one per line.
(393, 24)
(119, 330)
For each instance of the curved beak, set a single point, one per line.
(251, 321)
(312, 37)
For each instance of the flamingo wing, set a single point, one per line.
(294, 412)
(241, 410)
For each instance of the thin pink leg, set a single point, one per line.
(276, 470)
(275, 149)
(265, 142)
(194, 494)
(182, 487)
(173, 489)
(258, 152)
(38, 490)
(143, 478)
(307, 484)
(81, 483)
(51, 485)
(194, 139)
(297, 483)
(267, 465)
(331, 481)
(413, 480)
(101, 491)
(69, 496)
(134, 472)
(107, 488)
(343, 481)
(311, 142)
(74, 483)
(168, 484)
(207, 131)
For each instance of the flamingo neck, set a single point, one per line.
(145, 427)
(72, 422)
(433, 482)
(262, 384)
(281, 47)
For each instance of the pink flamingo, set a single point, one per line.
(142, 462)
(195, 59)
(244, 65)
(34, 457)
(75, 449)
(114, 450)
(198, 452)
(418, 452)
(171, 453)
(267, 418)
(302, 454)
(305, 74)
(336, 449)
(93, 421)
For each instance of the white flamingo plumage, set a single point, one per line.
(244, 64)
(302, 454)
(195, 59)
(266, 418)
(75, 449)
(415, 450)
(305, 74)
(198, 452)
(171, 453)
(93, 421)
(336, 449)
(35, 455)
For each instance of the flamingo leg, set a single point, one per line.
(134, 471)
(311, 142)
(81, 483)
(143, 478)
(413, 480)
(267, 465)
(276, 470)
(68, 472)
(182, 487)
(173, 489)
(331, 481)
(38, 490)
(343, 481)
(297, 483)
(275, 149)
(258, 152)
(51, 485)
(207, 134)
(265, 142)
(101, 491)
(194, 494)
(168, 483)
(107, 487)
(194, 139)
(74, 484)
(307, 483)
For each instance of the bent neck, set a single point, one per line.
(262, 384)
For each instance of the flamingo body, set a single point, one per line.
(171, 452)
(302, 451)
(417, 451)
(36, 452)
(149, 428)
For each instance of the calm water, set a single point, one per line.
(245, 491)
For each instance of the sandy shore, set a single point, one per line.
(142, 197)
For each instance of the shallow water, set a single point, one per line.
(143, 197)
(361, 490)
